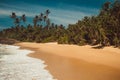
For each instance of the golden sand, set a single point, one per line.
(71, 62)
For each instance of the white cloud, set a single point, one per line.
(19, 13)
(59, 20)
(58, 15)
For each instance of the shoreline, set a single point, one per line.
(17, 65)
(64, 67)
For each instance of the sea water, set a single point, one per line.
(16, 65)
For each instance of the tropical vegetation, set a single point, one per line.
(103, 29)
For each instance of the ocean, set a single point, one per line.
(16, 65)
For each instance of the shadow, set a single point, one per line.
(98, 47)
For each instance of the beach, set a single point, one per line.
(16, 65)
(72, 62)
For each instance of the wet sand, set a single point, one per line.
(71, 62)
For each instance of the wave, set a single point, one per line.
(15, 65)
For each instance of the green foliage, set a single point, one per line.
(63, 40)
(103, 29)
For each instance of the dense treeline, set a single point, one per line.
(42, 30)
(103, 29)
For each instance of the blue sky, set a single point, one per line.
(62, 11)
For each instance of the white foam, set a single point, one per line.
(18, 66)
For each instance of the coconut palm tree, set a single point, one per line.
(48, 22)
(13, 15)
(35, 20)
(47, 12)
(106, 6)
(45, 18)
(17, 21)
(23, 18)
(41, 18)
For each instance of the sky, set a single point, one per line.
(62, 11)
